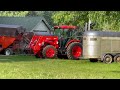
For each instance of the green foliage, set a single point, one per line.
(70, 17)
(13, 13)
(46, 14)
(105, 20)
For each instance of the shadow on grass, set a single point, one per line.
(19, 58)
(115, 71)
(28, 58)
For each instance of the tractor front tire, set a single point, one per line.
(49, 52)
(74, 51)
(8, 51)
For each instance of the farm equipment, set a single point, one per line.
(10, 37)
(26, 38)
(65, 40)
(101, 45)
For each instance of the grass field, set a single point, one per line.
(29, 67)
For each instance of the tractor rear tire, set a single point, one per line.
(49, 52)
(74, 51)
(8, 51)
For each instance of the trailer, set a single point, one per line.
(10, 37)
(101, 45)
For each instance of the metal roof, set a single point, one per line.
(27, 22)
(102, 33)
(9, 26)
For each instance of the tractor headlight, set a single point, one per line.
(57, 42)
(39, 44)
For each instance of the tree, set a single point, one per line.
(14, 13)
(70, 17)
(105, 20)
(46, 14)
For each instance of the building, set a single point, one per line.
(32, 24)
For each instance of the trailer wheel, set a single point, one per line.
(117, 58)
(8, 51)
(49, 52)
(107, 59)
(74, 51)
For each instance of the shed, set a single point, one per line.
(31, 24)
(10, 30)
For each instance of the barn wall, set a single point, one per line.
(41, 27)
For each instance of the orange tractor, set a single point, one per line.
(65, 41)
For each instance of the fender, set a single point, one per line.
(52, 42)
(74, 40)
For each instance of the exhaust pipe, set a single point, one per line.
(88, 26)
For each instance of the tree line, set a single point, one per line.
(104, 20)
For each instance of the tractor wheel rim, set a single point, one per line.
(7, 52)
(50, 53)
(76, 51)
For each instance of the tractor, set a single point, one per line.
(64, 41)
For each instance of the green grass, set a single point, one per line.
(29, 67)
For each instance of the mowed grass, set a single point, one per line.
(29, 67)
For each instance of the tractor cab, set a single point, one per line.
(66, 33)
(69, 37)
